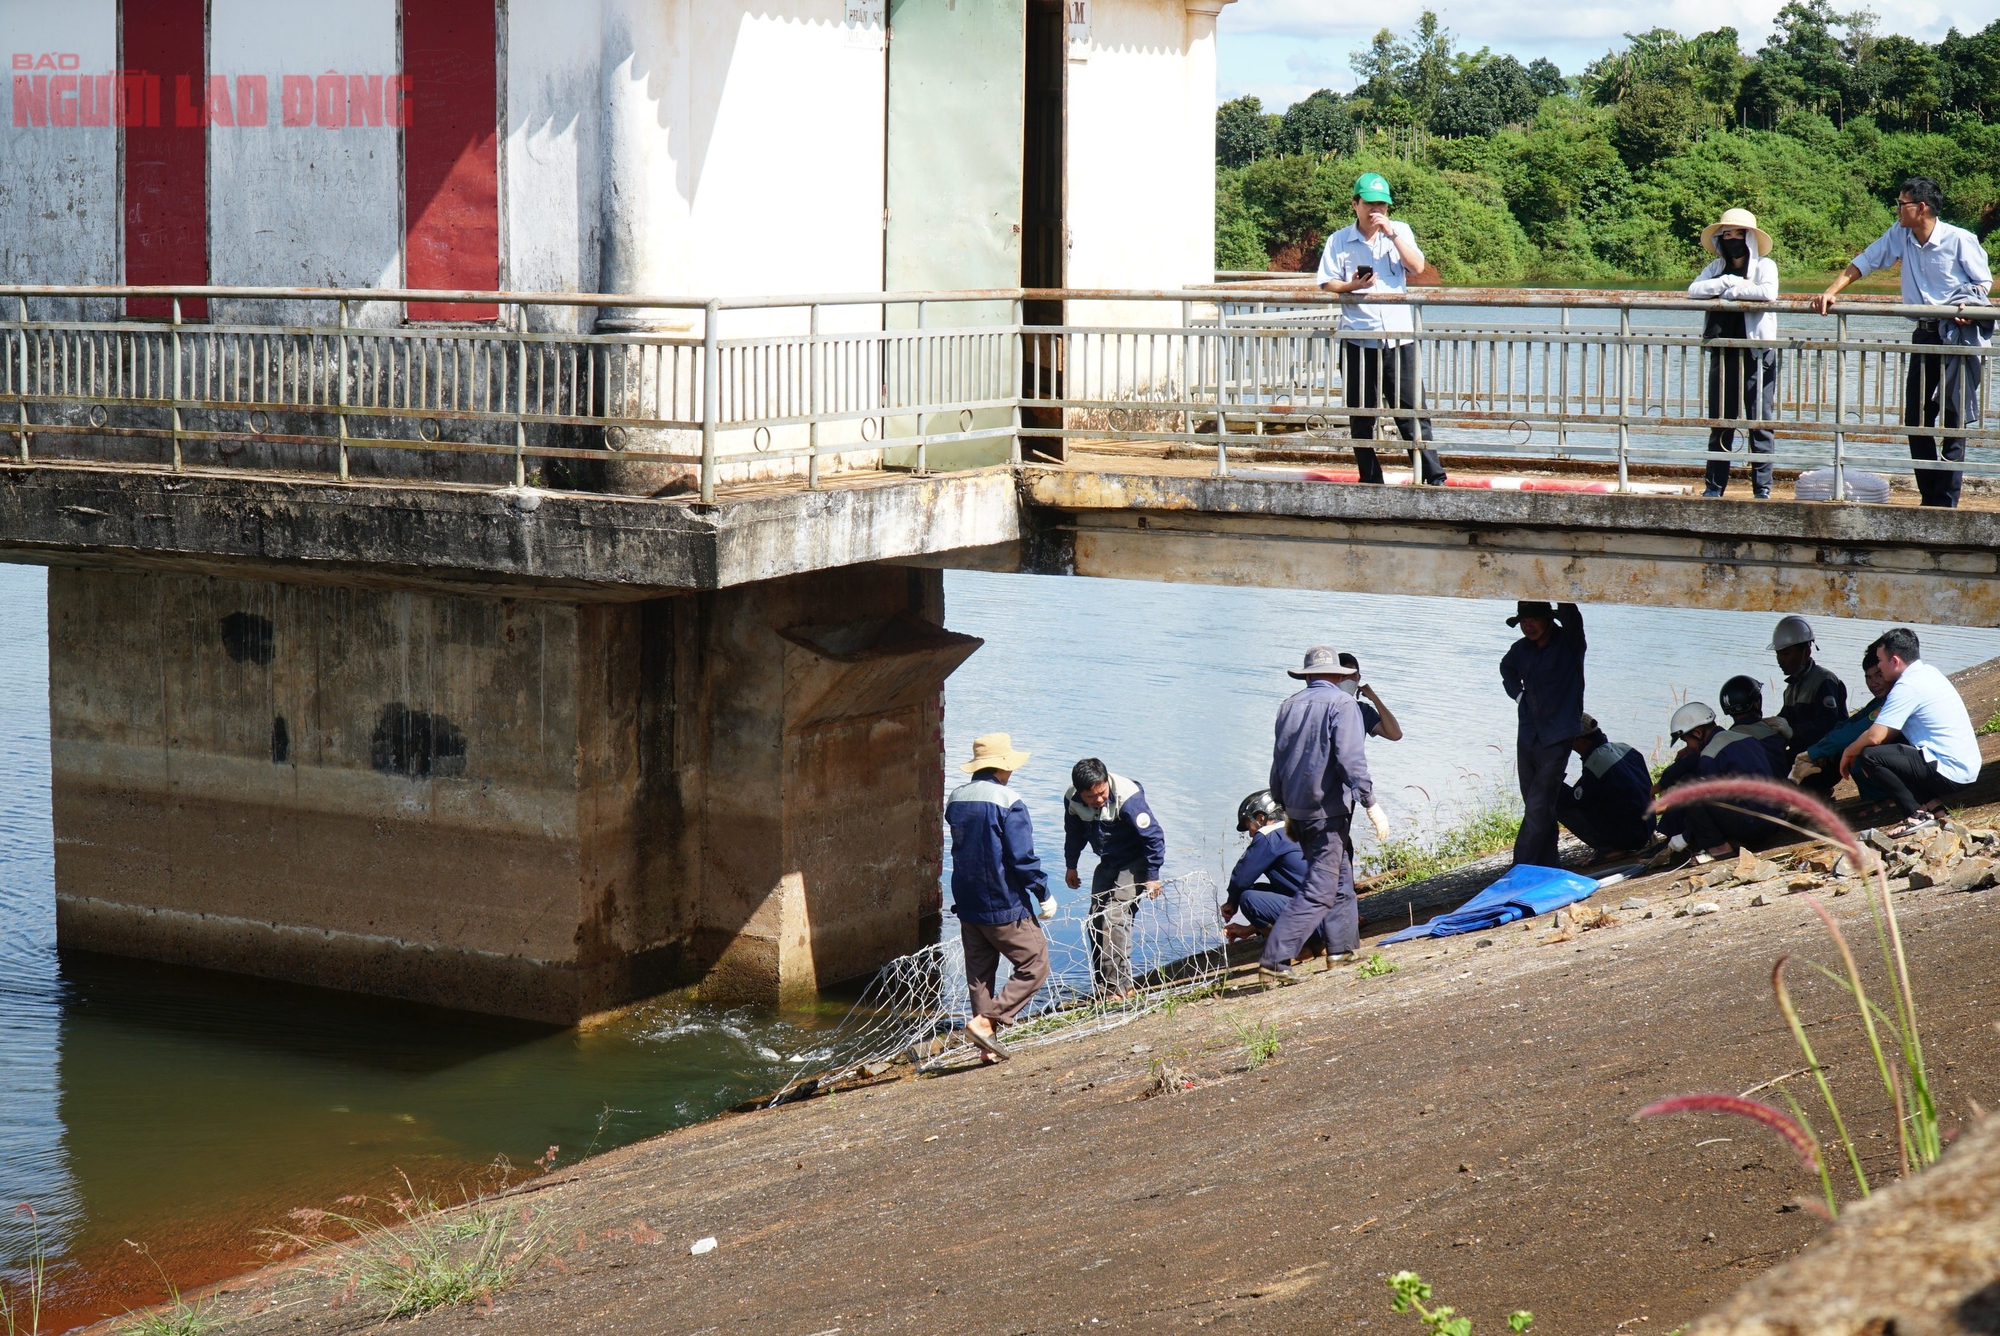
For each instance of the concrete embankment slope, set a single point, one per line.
(1467, 1116)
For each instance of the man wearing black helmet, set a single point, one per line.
(1271, 871)
(1815, 700)
(1743, 701)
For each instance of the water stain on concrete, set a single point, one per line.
(416, 744)
(248, 638)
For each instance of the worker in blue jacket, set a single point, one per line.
(1543, 673)
(1108, 814)
(1319, 775)
(1271, 871)
(1743, 701)
(1606, 808)
(1815, 700)
(1716, 829)
(998, 890)
(1818, 766)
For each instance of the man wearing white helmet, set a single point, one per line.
(1711, 828)
(1815, 700)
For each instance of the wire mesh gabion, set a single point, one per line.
(916, 1006)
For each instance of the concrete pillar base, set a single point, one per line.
(521, 807)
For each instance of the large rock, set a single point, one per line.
(1919, 1259)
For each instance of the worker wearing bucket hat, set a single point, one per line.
(998, 890)
(1378, 369)
(1742, 382)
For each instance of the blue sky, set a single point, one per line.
(1283, 49)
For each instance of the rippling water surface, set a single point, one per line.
(189, 1111)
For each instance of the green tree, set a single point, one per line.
(1402, 80)
(1913, 83)
(1317, 124)
(1653, 122)
(1545, 78)
(1244, 132)
(1493, 93)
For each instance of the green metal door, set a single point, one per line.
(957, 89)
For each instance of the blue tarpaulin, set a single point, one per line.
(1523, 893)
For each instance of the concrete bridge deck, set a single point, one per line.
(1127, 515)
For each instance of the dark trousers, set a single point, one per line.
(1710, 826)
(1026, 947)
(1909, 777)
(1373, 378)
(1325, 902)
(1541, 786)
(1114, 903)
(1262, 906)
(1604, 831)
(1939, 391)
(1742, 384)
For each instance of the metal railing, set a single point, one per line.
(328, 383)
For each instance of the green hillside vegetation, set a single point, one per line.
(1513, 173)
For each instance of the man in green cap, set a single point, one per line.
(1378, 255)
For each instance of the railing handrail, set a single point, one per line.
(1477, 297)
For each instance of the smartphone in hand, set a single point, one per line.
(1365, 273)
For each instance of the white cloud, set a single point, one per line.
(1284, 49)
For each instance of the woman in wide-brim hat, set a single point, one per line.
(1742, 382)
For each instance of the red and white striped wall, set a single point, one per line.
(351, 143)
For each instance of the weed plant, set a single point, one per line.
(21, 1305)
(426, 1257)
(1486, 828)
(1413, 1295)
(176, 1317)
(1376, 966)
(1260, 1041)
(1992, 724)
(1892, 1034)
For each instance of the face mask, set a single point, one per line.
(1733, 248)
(1351, 685)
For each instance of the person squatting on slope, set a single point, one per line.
(1921, 748)
(1815, 700)
(998, 890)
(1271, 871)
(1606, 808)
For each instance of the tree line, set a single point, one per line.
(1516, 172)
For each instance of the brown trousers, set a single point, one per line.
(1026, 948)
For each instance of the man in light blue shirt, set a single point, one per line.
(1942, 265)
(1921, 747)
(1377, 255)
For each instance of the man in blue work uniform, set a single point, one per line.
(1743, 701)
(1607, 807)
(1543, 672)
(1818, 766)
(1715, 829)
(1942, 265)
(1271, 871)
(1319, 774)
(1815, 700)
(1376, 716)
(1108, 813)
(998, 890)
(1376, 255)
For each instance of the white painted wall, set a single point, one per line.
(304, 206)
(788, 160)
(552, 156)
(60, 218)
(1140, 194)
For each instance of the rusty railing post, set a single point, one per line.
(711, 389)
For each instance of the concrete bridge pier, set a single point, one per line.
(525, 806)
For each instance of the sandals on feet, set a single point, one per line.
(988, 1044)
(1922, 821)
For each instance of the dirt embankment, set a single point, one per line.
(1466, 1116)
